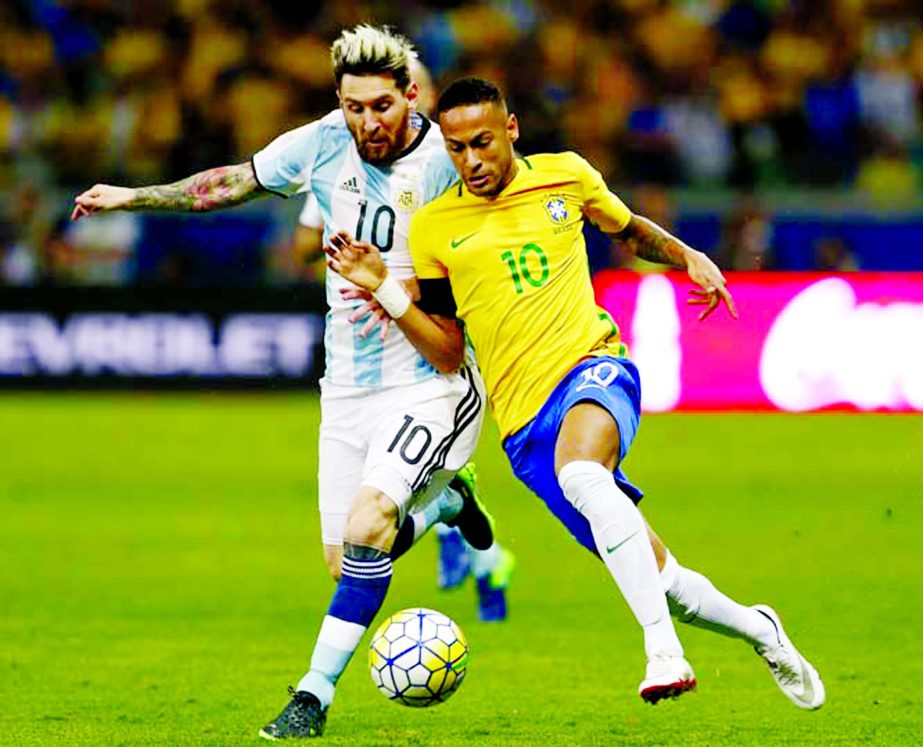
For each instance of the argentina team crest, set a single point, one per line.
(407, 197)
(556, 208)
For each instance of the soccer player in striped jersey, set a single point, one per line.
(456, 560)
(503, 252)
(396, 430)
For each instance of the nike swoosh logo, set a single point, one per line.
(458, 242)
(807, 688)
(807, 694)
(610, 550)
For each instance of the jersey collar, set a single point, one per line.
(425, 126)
(463, 190)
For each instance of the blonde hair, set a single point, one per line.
(372, 50)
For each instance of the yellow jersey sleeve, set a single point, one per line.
(423, 242)
(600, 205)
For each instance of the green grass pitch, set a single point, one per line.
(161, 582)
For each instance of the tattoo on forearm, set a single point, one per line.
(647, 240)
(208, 190)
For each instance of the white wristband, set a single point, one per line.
(392, 297)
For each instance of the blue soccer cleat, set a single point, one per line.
(454, 565)
(492, 589)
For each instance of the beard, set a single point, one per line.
(387, 150)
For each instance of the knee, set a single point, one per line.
(587, 486)
(372, 522)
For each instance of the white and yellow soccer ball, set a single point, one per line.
(418, 657)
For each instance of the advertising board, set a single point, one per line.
(804, 341)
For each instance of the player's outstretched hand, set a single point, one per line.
(357, 261)
(712, 288)
(101, 197)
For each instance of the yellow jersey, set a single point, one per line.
(518, 268)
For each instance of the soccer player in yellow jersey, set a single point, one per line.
(503, 252)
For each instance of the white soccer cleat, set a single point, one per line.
(792, 672)
(666, 677)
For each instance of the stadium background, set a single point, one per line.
(160, 577)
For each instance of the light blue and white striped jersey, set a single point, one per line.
(374, 204)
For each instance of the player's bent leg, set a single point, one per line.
(693, 599)
(372, 521)
(409, 532)
(429, 507)
(417, 463)
(586, 453)
(360, 593)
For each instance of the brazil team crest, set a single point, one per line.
(556, 208)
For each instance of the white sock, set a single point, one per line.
(336, 642)
(694, 599)
(621, 539)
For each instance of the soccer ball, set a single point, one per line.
(418, 657)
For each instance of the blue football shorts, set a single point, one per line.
(612, 383)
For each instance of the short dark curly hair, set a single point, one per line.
(467, 91)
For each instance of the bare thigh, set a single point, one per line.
(588, 433)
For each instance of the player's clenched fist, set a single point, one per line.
(101, 197)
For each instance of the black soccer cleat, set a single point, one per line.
(302, 718)
(473, 521)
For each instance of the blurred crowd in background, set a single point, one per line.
(735, 98)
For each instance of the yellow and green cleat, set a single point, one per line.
(474, 520)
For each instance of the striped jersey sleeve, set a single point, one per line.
(285, 165)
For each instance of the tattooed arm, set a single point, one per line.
(208, 190)
(649, 241)
(645, 239)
